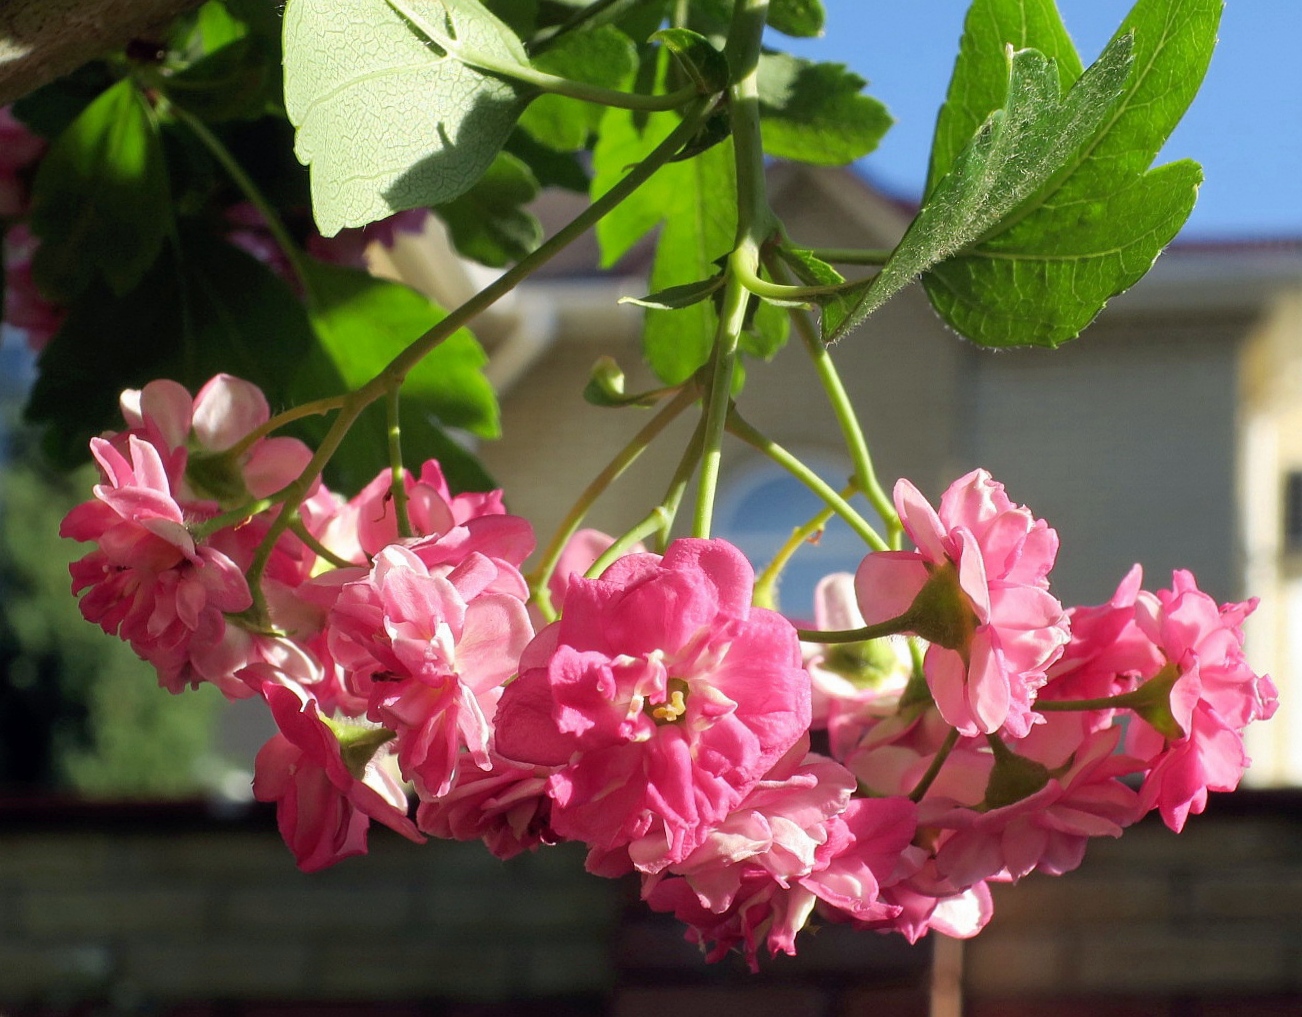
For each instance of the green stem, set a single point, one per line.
(250, 191)
(317, 406)
(1141, 696)
(673, 498)
(852, 256)
(890, 627)
(929, 778)
(625, 458)
(540, 79)
(396, 371)
(397, 483)
(766, 582)
(753, 438)
(851, 431)
(755, 223)
(301, 531)
(761, 287)
(654, 520)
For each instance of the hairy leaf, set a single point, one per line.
(1021, 153)
(388, 116)
(816, 112)
(1044, 276)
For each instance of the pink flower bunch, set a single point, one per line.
(19, 150)
(662, 720)
(24, 307)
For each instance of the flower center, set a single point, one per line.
(673, 708)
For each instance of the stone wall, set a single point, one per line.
(174, 911)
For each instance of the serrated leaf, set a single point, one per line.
(100, 199)
(816, 112)
(489, 223)
(361, 324)
(705, 66)
(387, 116)
(1021, 151)
(677, 297)
(813, 271)
(602, 56)
(1043, 277)
(801, 19)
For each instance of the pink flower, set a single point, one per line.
(977, 590)
(148, 581)
(662, 696)
(326, 791)
(506, 806)
(429, 648)
(1213, 696)
(24, 307)
(854, 684)
(195, 436)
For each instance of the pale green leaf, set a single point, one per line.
(802, 19)
(388, 116)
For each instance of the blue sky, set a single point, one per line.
(1245, 126)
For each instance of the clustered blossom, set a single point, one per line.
(750, 782)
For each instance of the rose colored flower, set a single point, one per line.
(195, 435)
(977, 590)
(791, 847)
(662, 696)
(1213, 696)
(506, 806)
(326, 790)
(24, 307)
(854, 684)
(148, 581)
(430, 649)
(1046, 829)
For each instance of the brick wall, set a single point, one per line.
(145, 908)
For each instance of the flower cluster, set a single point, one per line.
(966, 723)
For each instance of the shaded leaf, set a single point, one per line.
(387, 116)
(549, 167)
(705, 66)
(488, 223)
(602, 56)
(100, 198)
(816, 112)
(361, 324)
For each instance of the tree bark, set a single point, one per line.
(41, 40)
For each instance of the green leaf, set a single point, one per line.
(191, 317)
(802, 19)
(705, 66)
(813, 271)
(696, 201)
(602, 56)
(52, 108)
(815, 112)
(488, 222)
(238, 82)
(766, 332)
(362, 323)
(100, 198)
(549, 167)
(980, 81)
(387, 116)
(1020, 154)
(677, 297)
(1097, 229)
